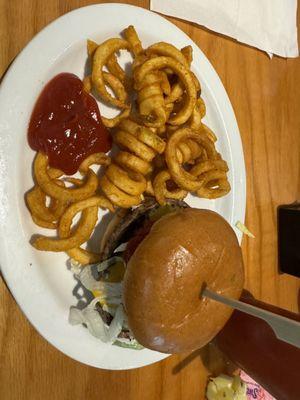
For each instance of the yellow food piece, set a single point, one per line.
(244, 229)
(114, 274)
(133, 39)
(225, 387)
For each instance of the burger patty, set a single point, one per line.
(133, 221)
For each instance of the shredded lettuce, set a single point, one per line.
(75, 266)
(110, 291)
(109, 295)
(92, 319)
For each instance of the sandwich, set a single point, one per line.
(148, 287)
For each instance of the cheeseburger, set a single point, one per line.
(168, 254)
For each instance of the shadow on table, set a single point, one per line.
(214, 361)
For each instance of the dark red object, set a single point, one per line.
(66, 125)
(288, 219)
(251, 343)
(138, 237)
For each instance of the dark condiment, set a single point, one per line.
(289, 239)
(251, 343)
(66, 124)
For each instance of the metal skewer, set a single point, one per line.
(285, 329)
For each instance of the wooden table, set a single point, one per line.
(265, 95)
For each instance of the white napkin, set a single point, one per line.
(269, 25)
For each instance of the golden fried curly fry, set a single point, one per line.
(183, 178)
(133, 162)
(96, 158)
(149, 189)
(82, 233)
(151, 100)
(74, 181)
(52, 189)
(91, 47)
(202, 107)
(112, 63)
(125, 180)
(130, 126)
(87, 83)
(103, 52)
(112, 81)
(212, 175)
(176, 93)
(196, 82)
(69, 240)
(36, 201)
(130, 182)
(73, 209)
(184, 75)
(116, 86)
(55, 173)
(152, 140)
(215, 185)
(137, 147)
(188, 151)
(138, 61)
(83, 256)
(169, 110)
(115, 121)
(161, 191)
(44, 224)
(209, 165)
(208, 132)
(115, 69)
(187, 51)
(195, 120)
(164, 83)
(57, 207)
(47, 216)
(117, 196)
(120, 93)
(133, 39)
(168, 50)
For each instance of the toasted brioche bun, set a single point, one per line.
(162, 287)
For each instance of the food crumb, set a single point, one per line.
(241, 227)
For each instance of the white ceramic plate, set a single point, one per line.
(40, 282)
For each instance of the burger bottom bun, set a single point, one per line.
(162, 287)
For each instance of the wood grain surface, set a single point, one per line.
(265, 95)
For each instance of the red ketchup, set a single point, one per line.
(66, 124)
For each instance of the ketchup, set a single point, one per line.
(66, 124)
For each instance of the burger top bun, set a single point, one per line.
(162, 287)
